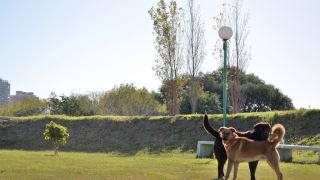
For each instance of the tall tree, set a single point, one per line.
(233, 15)
(240, 54)
(169, 62)
(195, 53)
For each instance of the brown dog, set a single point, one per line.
(241, 149)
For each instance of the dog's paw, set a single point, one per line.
(219, 179)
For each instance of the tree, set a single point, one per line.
(195, 53)
(84, 105)
(54, 104)
(27, 107)
(262, 97)
(57, 134)
(169, 62)
(74, 105)
(208, 102)
(239, 51)
(258, 95)
(94, 98)
(130, 101)
(240, 54)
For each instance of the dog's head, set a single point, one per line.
(262, 130)
(227, 133)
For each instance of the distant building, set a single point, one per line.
(20, 96)
(4, 92)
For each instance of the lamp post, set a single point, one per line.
(225, 33)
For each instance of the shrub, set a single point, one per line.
(130, 101)
(74, 105)
(57, 134)
(27, 107)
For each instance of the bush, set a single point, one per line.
(207, 102)
(57, 134)
(27, 107)
(74, 105)
(131, 101)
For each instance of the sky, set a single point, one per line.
(80, 46)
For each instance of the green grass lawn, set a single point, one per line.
(69, 165)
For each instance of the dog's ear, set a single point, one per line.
(221, 129)
(232, 129)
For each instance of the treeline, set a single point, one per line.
(130, 100)
(123, 100)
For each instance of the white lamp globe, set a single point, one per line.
(225, 32)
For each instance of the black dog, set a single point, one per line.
(260, 132)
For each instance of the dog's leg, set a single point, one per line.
(235, 170)
(221, 162)
(230, 164)
(253, 166)
(221, 156)
(273, 161)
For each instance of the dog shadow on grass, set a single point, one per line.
(50, 155)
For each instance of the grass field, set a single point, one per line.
(69, 165)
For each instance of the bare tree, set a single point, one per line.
(195, 53)
(238, 21)
(240, 54)
(219, 21)
(166, 26)
(233, 15)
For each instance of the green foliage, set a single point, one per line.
(57, 134)
(166, 22)
(129, 100)
(262, 97)
(207, 102)
(258, 95)
(27, 107)
(169, 63)
(74, 105)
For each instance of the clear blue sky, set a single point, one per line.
(80, 46)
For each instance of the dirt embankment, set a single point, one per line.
(156, 135)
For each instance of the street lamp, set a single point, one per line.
(225, 34)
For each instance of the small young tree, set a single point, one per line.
(57, 134)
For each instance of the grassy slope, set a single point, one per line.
(156, 134)
(67, 165)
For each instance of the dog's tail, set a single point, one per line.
(208, 127)
(278, 132)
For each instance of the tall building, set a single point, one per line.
(20, 96)
(4, 92)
